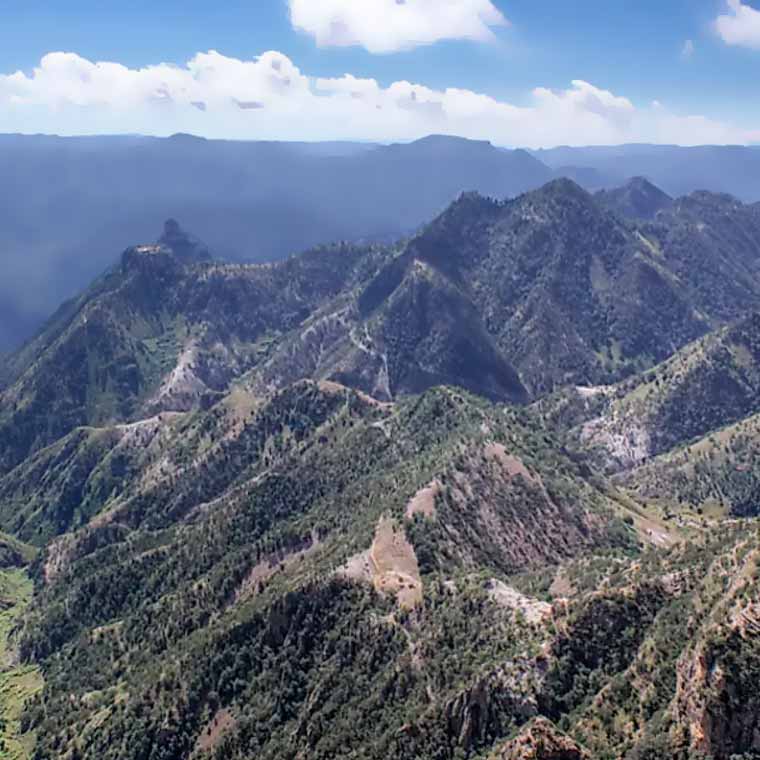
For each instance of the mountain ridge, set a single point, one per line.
(276, 197)
(362, 502)
(480, 298)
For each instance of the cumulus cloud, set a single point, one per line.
(688, 50)
(740, 25)
(67, 79)
(269, 97)
(387, 26)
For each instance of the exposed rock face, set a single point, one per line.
(149, 261)
(468, 715)
(541, 740)
(183, 245)
(491, 706)
(717, 709)
(533, 610)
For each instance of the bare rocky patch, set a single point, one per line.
(182, 388)
(533, 610)
(275, 563)
(541, 740)
(628, 443)
(513, 466)
(223, 722)
(423, 502)
(390, 565)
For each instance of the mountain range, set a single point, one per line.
(484, 492)
(71, 202)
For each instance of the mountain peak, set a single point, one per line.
(171, 228)
(642, 184)
(563, 186)
(443, 141)
(636, 199)
(183, 245)
(562, 192)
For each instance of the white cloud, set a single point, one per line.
(67, 79)
(387, 26)
(271, 98)
(740, 26)
(688, 50)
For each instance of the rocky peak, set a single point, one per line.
(148, 258)
(183, 245)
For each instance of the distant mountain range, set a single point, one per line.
(732, 169)
(71, 202)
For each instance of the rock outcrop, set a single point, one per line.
(541, 740)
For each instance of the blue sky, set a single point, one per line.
(632, 52)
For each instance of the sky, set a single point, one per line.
(531, 73)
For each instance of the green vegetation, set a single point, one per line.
(301, 510)
(19, 682)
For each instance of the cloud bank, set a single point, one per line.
(387, 26)
(740, 26)
(269, 97)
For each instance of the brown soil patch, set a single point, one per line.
(390, 565)
(513, 465)
(271, 565)
(222, 722)
(394, 564)
(423, 502)
(561, 586)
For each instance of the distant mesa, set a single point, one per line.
(450, 141)
(187, 137)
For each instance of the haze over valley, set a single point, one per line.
(71, 204)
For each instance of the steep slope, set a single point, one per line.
(511, 300)
(429, 579)
(549, 283)
(710, 243)
(704, 387)
(408, 328)
(660, 661)
(286, 529)
(272, 520)
(65, 485)
(570, 294)
(158, 332)
(716, 474)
